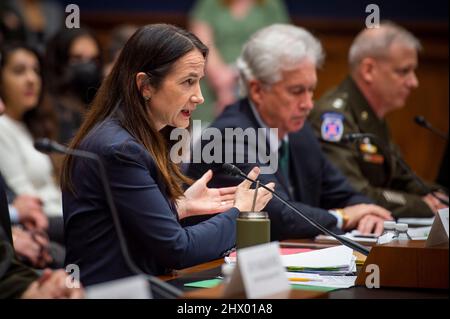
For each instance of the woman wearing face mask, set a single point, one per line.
(154, 86)
(25, 170)
(74, 70)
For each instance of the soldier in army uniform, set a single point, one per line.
(382, 75)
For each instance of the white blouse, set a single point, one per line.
(26, 170)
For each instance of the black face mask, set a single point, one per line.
(85, 79)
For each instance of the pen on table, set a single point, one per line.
(304, 279)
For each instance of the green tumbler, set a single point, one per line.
(253, 228)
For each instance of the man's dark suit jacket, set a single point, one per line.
(316, 185)
(156, 240)
(14, 276)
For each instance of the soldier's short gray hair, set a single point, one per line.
(277, 48)
(375, 43)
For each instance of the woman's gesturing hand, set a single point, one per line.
(201, 200)
(244, 195)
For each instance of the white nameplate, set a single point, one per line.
(439, 231)
(259, 273)
(135, 287)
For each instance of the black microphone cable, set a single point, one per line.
(164, 289)
(234, 171)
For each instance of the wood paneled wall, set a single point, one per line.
(421, 149)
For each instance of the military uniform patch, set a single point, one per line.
(367, 147)
(332, 127)
(369, 152)
(373, 158)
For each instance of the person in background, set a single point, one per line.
(224, 26)
(153, 88)
(26, 171)
(119, 36)
(16, 279)
(278, 75)
(73, 66)
(31, 21)
(383, 64)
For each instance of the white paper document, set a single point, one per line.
(334, 258)
(307, 279)
(365, 239)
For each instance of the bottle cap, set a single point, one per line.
(389, 225)
(253, 215)
(401, 227)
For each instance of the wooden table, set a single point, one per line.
(211, 269)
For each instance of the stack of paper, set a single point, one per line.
(307, 279)
(332, 261)
(353, 236)
(231, 259)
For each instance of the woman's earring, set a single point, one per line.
(146, 98)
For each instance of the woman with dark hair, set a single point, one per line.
(152, 88)
(26, 171)
(26, 118)
(73, 67)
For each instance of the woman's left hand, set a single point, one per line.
(201, 200)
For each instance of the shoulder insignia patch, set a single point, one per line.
(332, 127)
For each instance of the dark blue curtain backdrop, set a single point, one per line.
(425, 10)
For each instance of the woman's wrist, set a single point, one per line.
(182, 209)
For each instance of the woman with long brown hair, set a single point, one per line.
(153, 87)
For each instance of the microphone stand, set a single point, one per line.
(421, 121)
(164, 289)
(233, 170)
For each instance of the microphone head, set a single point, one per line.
(232, 170)
(46, 145)
(43, 145)
(420, 120)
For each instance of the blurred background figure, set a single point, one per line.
(31, 21)
(224, 26)
(73, 74)
(119, 36)
(382, 74)
(28, 173)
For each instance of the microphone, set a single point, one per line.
(46, 145)
(421, 121)
(352, 137)
(232, 170)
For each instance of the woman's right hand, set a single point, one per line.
(244, 195)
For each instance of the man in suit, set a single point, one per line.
(278, 74)
(16, 279)
(382, 75)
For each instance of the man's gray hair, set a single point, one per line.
(376, 42)
(277, 48)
